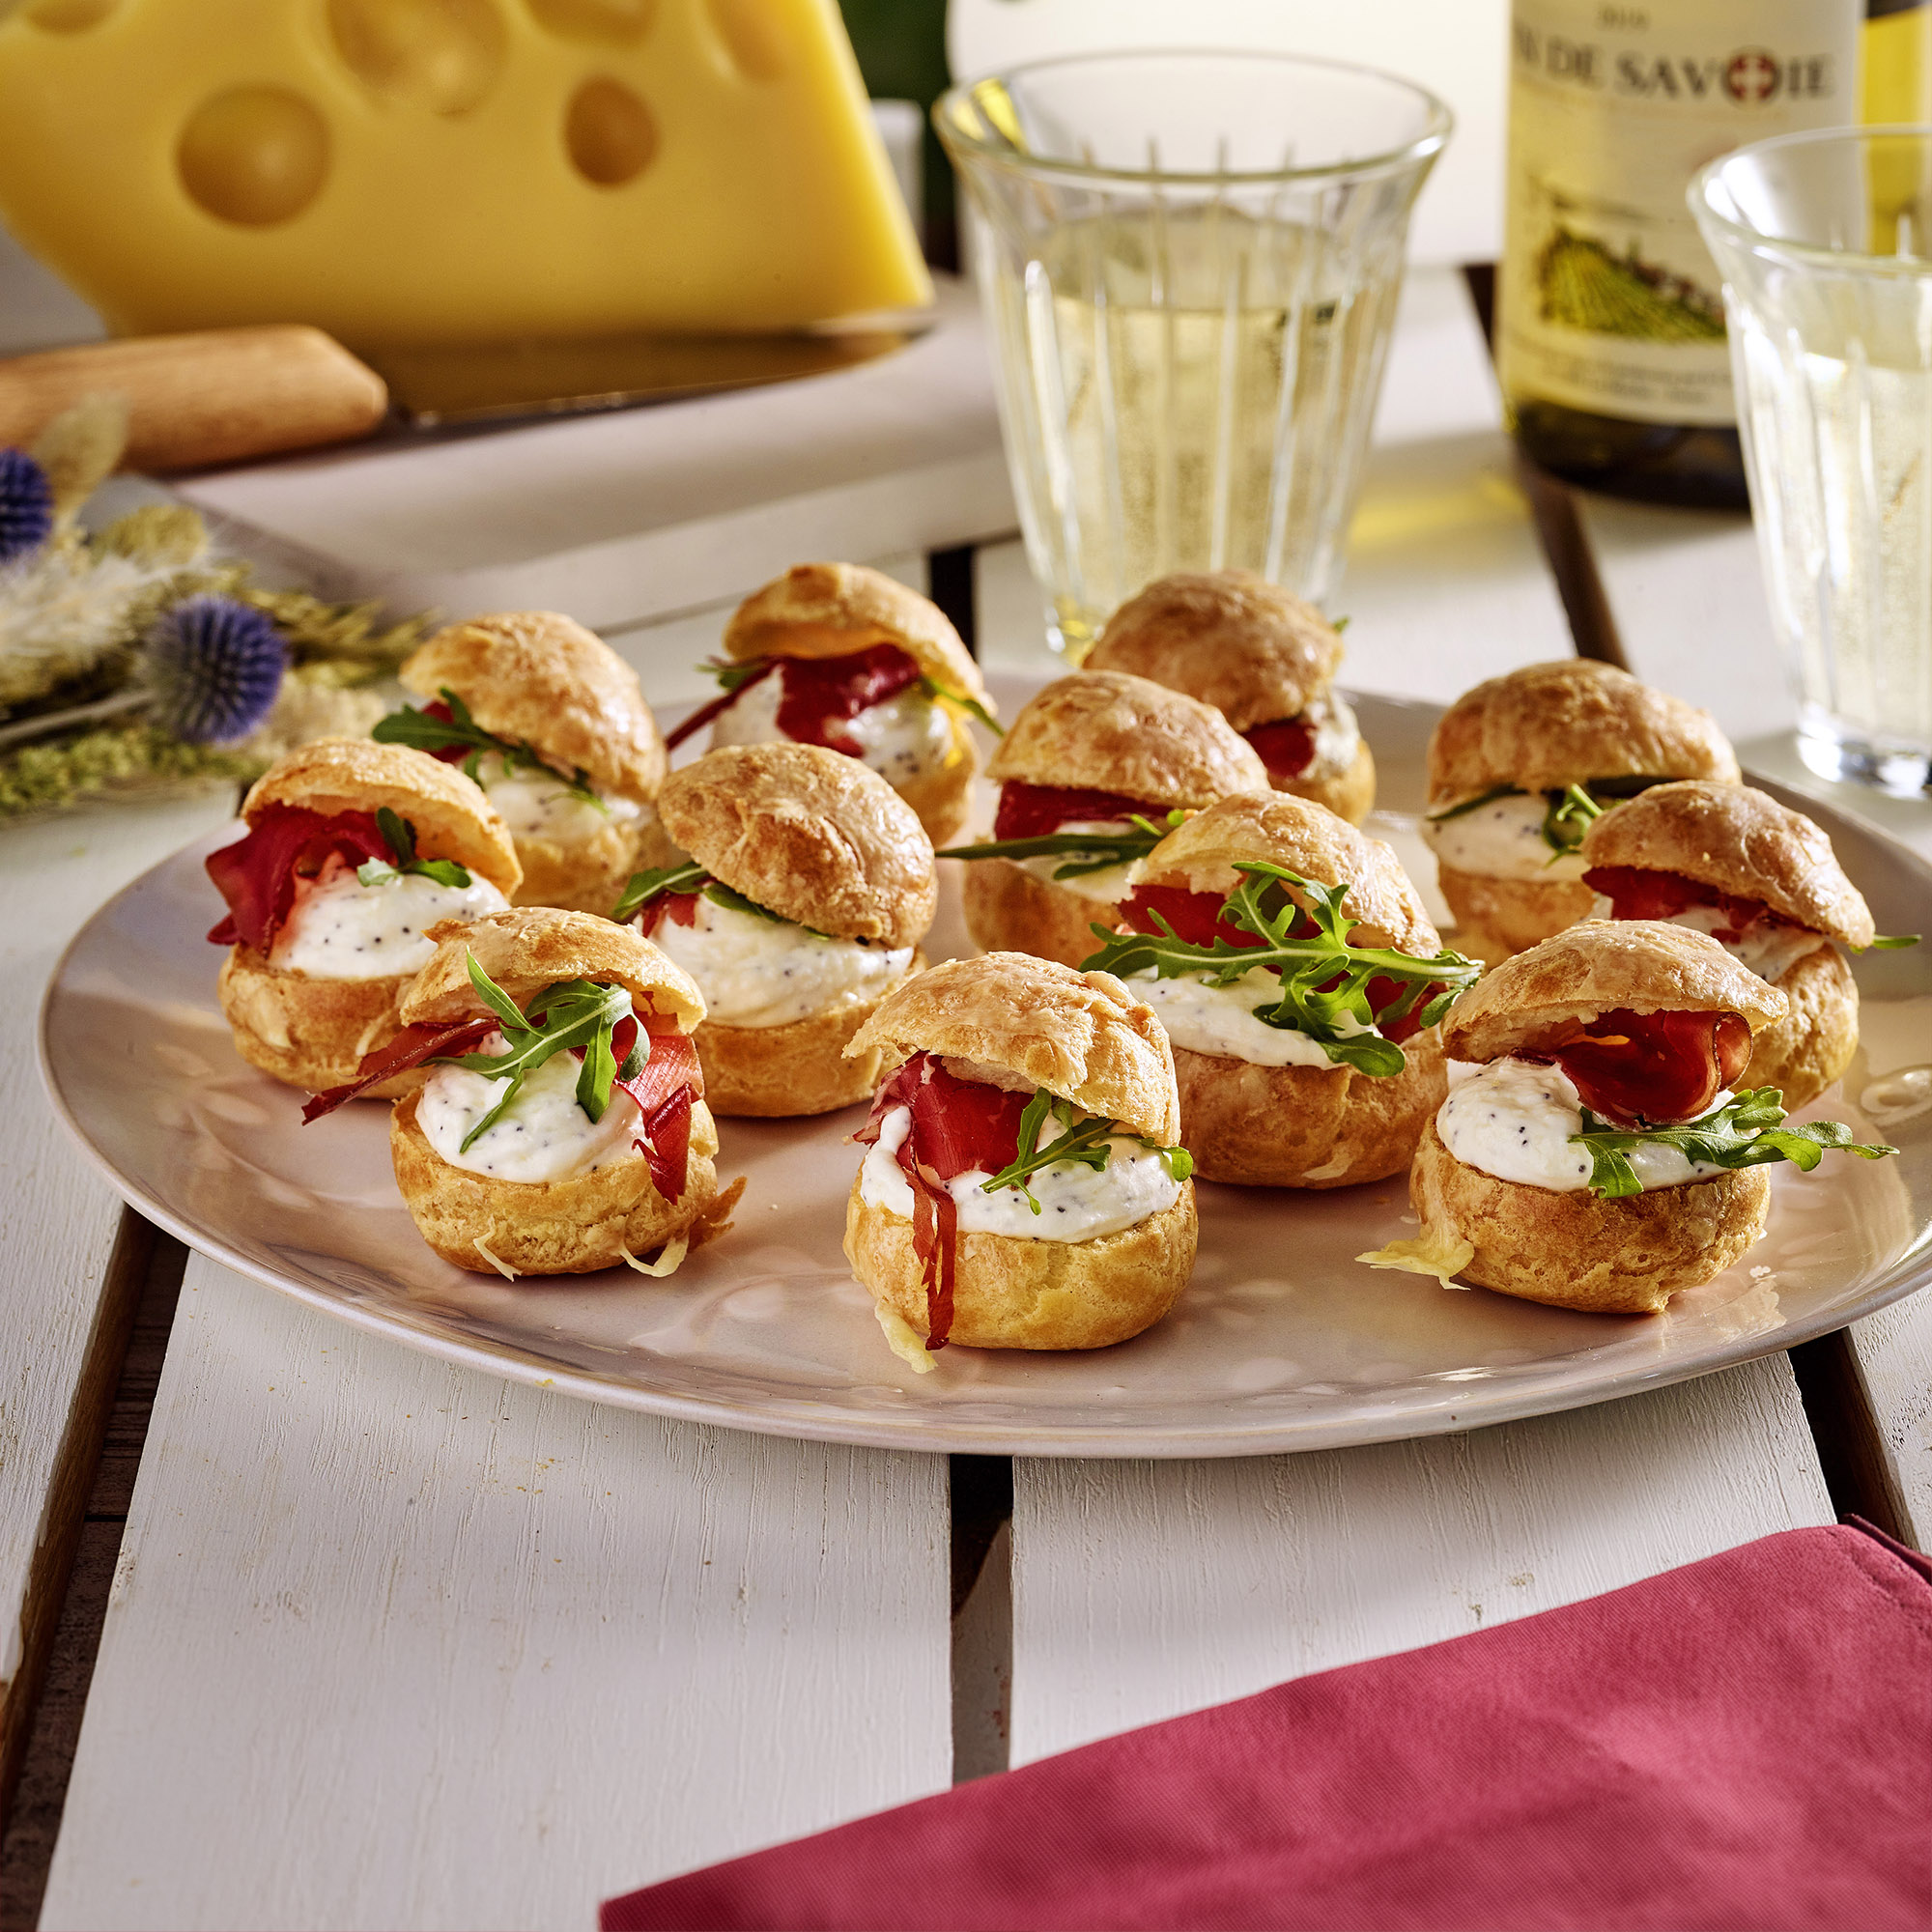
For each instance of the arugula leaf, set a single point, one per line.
(1746, 1131)
(719, 894)
(1571, 812)
(1085, 1142)
(1091, 851)
(571, 1013)
(400, 836)
(937, 693)
(1324, 979)
(419, 730)
(732, 676)
(644, 887)
(1476, 804)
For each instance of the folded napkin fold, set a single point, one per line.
(1743, 1743)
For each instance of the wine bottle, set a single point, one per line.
(1609, 311)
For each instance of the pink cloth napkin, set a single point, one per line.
(1743, 1743)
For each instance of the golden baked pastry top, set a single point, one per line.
(811, 834)
(1737, 840)
(1646, 966)
(1082, 1035)
(1105, 730)
(1308, 839)
(1227, 637)
(1554, 725)
(453, 817)
(534, 947)
(539, 678)
(831, 610)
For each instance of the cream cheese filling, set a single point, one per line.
(1512, 1119)
(756, 972)
(1770, 950)
(1221, 1020)
(1502, 839)
(1338, 736)
(904, 738)
(1076, 1203)
(338, 929)
(544, 1135)
(534, 804)
(1109, 886)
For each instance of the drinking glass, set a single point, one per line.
(1823, 240)
(1189, 264)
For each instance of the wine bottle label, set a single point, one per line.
(1609, 302)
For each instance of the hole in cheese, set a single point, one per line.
(616, 23)
(752, 36)
(440, 55)
(254, 155)
(610, 132)
(69, 17)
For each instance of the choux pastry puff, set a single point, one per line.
(562, 1128)
(1764, 882)
(353, 852)
(1083, 760)
(1283, 1083)
(1603, 1156)
(1266, 661)
(1517, 770)
(808, 887)
(1022, 1186)
(840, 656)
(551, 722)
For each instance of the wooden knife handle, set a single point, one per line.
(219, 395)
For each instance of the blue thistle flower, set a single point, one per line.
(26, 505)
(213, 667)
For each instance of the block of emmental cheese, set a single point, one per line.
(405, 172)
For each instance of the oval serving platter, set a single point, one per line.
(1281, 1342)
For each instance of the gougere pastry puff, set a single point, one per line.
(552, 724)
(1093, 772)
(1520, 766)
(840, 656)
(808, 887)
(1605, 1156)
(1299, 979)
(1022, 1186)
(1266, 661)
(563, 1126)
(353, 852)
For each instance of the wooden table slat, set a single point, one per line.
(396, 1644)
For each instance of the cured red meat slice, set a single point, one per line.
(410, 1046)
(958, 1126)
(1637, 1071)
(1635, 891)
(819, 697)
(1033, 811)
(256, 875)
(1286, 745)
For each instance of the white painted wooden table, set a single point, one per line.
(395, 1644)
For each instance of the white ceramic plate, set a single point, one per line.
(1281, 1342)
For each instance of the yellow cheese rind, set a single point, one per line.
(403, 172)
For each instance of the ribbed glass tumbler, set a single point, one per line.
(1189, 264)
(1824, 242)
